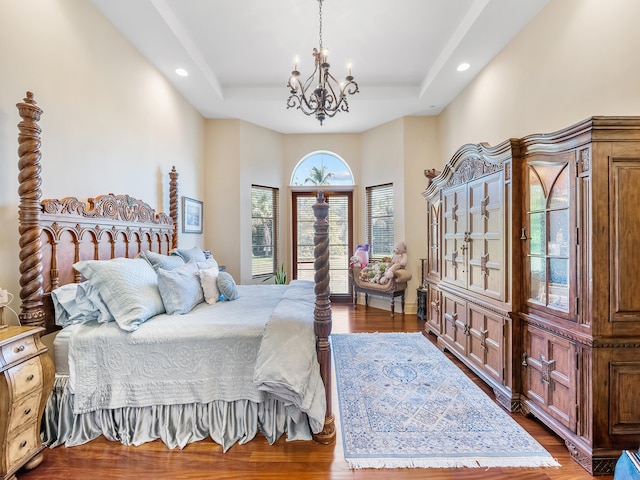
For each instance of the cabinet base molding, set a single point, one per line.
(595, 465)
(510, 403)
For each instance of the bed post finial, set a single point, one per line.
(32, 311)
(173, 205)
(322, 313)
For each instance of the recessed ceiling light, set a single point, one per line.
(182, 72)
(462, 67)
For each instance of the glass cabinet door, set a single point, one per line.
(548, 234)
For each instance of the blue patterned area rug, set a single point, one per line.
(404, 404)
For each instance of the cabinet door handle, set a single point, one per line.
(30, 377)
(18, 349)
(23, 443)
(523, 234)
(27, 411)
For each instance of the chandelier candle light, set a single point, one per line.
(329, 96)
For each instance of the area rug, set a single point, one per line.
(404, 404)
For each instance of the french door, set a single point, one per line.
(340, 235)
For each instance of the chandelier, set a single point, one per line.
(326, 98)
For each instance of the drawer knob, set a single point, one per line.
(27, 411)
(18, 349)
(30, 377)
(23, 443)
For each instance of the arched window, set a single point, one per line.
(326, 169)
(321, 168)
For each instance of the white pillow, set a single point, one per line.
(129, 288)
(64, 304)
(91, 304)
(209, 283)
(180, 288)
(208, 263)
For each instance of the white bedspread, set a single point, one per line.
(208, 354)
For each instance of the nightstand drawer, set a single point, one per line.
(23, 444)
(24, 411)
(21, 348)
(26, 377)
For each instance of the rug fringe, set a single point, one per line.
(454, 462)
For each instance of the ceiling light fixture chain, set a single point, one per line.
(329, 96)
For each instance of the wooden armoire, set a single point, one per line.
(534, 283)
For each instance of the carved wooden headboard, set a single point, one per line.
(54, 234)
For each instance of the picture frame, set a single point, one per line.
(191, 215)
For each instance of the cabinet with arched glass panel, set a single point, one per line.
(580, 308)
(549, 232)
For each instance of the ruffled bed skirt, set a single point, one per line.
(176, 425)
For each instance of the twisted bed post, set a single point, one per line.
(32, 312)
(322, 312)
(173, 206)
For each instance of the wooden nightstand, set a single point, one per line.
(25, 385)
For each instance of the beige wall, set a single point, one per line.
(420, 152)
(107, 111)
(576, 58)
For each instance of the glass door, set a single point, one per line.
(340, 235)
(549, 234)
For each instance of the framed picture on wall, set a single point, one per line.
(191, 215)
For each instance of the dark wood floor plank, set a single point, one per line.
(104, 460)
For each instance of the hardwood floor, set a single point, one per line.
(104, 460)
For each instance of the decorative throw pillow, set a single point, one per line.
(209, 283)
(180, 288)
(195, 253)
(129, 288)
(158, 260)
(227, 286)
(208, 263)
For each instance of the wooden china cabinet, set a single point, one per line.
(534, 282)
(470, 263)
(581, 286)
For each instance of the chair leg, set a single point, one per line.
(393, 302)
(402, 303)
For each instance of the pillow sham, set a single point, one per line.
(129, 288)
(65, 309)
(180, 288)
(209, 284)
(158, 260)
(227, 286)
(91, 304)
(195, 253)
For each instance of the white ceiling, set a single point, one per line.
(239, 53)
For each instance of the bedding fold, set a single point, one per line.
(287, 365)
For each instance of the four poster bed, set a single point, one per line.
(108, 271)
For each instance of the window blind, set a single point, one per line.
(379, 218)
